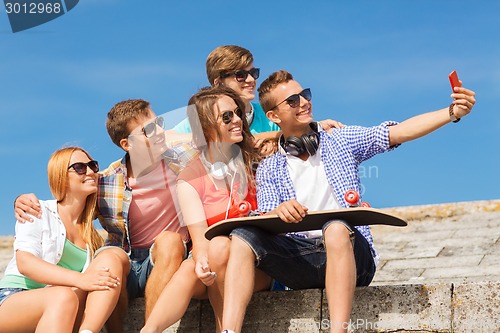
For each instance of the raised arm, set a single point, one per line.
(426, 123)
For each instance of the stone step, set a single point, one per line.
(440, 307)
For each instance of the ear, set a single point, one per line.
(125, 144)
(273, 116)
(218, 82)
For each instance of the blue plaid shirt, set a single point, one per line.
(342, 151)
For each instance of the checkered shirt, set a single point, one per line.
(342, 151)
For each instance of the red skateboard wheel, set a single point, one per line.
(244, 207)
(365, 204)
(351, 197)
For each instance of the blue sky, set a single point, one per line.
(365, 62)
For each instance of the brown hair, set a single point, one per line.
(267, 101)
(227, 58)
(57, 172)
(120, 116)
(203, 122)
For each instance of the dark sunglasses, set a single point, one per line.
(149, 130)
(227, 116)
(81, 168)
(242, 74)
(294, 100)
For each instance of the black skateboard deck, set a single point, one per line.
(355, 216)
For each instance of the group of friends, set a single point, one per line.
(156, 203)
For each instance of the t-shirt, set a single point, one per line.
(154, 208)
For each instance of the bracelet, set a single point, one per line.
(452, 114)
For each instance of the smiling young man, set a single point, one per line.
(136, 203)
(232, 66)
(311, 172)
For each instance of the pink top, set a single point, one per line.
(154, 207)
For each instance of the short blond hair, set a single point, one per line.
(227, 58)
(267, 101)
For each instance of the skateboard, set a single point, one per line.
(356, 215)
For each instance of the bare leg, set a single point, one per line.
(115, 320)
(218, 257)
(175, 297)
(50, 309)
(241, 280)
(340, 276)
(167, 256)
(100, 304)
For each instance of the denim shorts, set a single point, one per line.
(6, 292)
(141, 264)
(300, 263)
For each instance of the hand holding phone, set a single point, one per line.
(454, 80)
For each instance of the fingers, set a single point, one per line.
(203, 272)
(24, 205)
(107, 280)
(208, 278)
(291, 211)
(464, 101)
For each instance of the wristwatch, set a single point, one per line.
(452, 115)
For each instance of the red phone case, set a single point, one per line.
(454, 80)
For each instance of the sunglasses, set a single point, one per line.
(81, 167)
(242, 74)
(149, 130)
(227, 116)
(294, 100)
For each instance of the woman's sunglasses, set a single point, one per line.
(294, 100)
(242, 74)
(149, 130)
(227, 116)
(81, 167)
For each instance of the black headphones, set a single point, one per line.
(296, 146)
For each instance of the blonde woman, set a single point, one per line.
(52, 284)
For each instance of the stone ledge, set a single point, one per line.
(440, 307)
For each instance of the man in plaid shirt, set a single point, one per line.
(137, 203)
(311, 172)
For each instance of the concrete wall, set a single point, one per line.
(441, 307)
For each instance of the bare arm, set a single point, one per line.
(44, 272)
(426, 123)
(196, 221)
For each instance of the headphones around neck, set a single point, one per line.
(296, 146)
(218, 170)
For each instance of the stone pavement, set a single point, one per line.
(450, 243)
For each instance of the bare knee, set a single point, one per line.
(64, 299)
(116, 258)
(168, 248)
(337, 237)
(218, 252)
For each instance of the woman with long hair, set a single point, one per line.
(58, 279)
(210, 189)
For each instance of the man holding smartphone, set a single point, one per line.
(311, 172)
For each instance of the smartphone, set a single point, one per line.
(454, 80)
